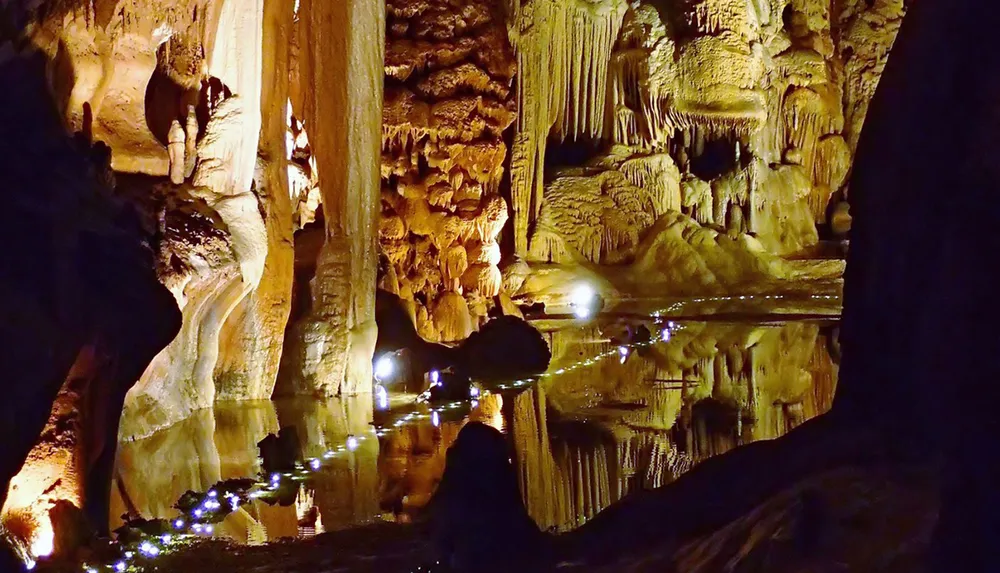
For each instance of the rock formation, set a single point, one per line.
(448, 101)
(339, 68)
(270, 162)
(744, 118)
(84, 313)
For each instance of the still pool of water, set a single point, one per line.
(607, 419)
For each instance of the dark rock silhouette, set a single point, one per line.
(477, 516)
(506, 347)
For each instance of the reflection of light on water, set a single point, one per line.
(381, 397)
(623, 353)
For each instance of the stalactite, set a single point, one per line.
(561, 89)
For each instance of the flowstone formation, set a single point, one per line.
(742, 116)
(449, 70)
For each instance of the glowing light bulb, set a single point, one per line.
(197, 528)
(209, 529)
(381, 397)
(179, 523)
(275, 478)
(581, 311)
(474, 391)
(198, 512)
(384, 367)
(435, 377)
(29, 564)
(352, 443)
(623, 353)
(43, 544)
(120, 566)
(582, 295)
(435, 419)
(166, 538)
(212, 493)
(665, 335)
(314, 464)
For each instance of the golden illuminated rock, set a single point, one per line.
(340, 67)
(448, 101)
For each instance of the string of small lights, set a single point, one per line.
(143, 546)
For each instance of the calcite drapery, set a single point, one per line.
(448, 71)
(717, 85)
(563, 49)
(340, 70)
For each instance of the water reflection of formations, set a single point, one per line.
(213, 445)
(588, 437)
(582, 439)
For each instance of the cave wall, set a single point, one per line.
(84, 313)
(449, 70)
(743, 116)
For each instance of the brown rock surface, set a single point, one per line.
(448, 101)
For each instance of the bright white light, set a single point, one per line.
(581, 311)
(314, 464)
(179, 523)
(623, 352)
(582, 295)
(435, 377)
(275, 478)
(352, 443)
(148, 548)
(665, 335)
(198, 512)
(209, 529)
(43, 544)
(212, 493)
(120, 566)
(166, 538)
(474, 391)
(197, 528)
(381, 397)
(29, 564)
(475, 403)
(435, 419)
(384, 367)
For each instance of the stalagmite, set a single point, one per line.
(176, 147)
(341, 70)
(190, 142)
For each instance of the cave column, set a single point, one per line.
(254, 333)
(342, 74)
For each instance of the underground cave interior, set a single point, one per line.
(299, 246)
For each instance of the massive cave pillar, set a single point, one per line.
(919, 333)
(254, 334)
(341, 73)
